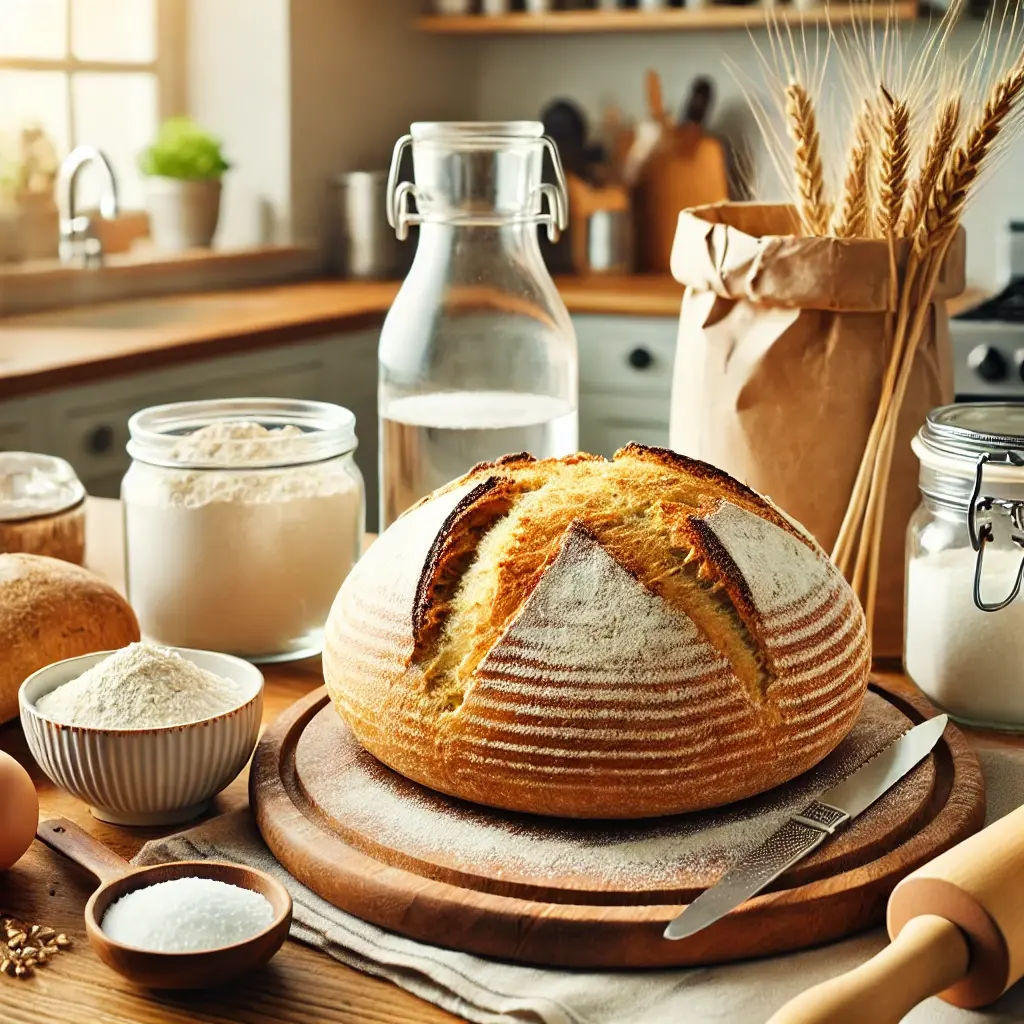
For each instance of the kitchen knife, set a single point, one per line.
(806, 831)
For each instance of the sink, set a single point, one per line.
(135, 315)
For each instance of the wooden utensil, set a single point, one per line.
(687, 168)
(203, 969)
(584, 201)
(648, 134)
(957, 926)
(656, 100)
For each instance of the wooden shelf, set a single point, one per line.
(697, 19)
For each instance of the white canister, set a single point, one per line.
(242, 519)
(964, 641)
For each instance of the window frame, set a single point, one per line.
(168, 67)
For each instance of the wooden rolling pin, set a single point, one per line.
(957, 930)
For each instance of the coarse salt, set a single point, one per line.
(141, 687)
(186, 915)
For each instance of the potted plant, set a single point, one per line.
(183, 168)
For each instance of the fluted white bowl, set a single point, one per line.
(144, 776)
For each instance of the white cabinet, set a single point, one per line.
(23, 424)
(625, 380)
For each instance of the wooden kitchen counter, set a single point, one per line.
(86, 343)
(300, 985)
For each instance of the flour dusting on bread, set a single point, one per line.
(591, 621)
(778, 568)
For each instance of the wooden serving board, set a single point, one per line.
(594, 894)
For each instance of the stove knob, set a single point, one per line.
(988, 363)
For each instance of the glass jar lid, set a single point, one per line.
(955, 437)
(476, 134)
(477, 173)
(34, 485)
(241, 433)
(966, 431)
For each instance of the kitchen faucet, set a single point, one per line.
(78, 238)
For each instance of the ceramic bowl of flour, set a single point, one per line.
(145, 776)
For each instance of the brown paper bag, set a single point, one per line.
(783, 345)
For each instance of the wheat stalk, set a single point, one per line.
(932, 242)
(894, 163)
(940, 147)
(891, 192)
(946, 203)
(852, 215)
(810, 176)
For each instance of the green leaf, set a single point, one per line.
(183, 150)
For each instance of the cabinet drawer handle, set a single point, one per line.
(100, 440)
(640, 359)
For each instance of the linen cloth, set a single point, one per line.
(490, 992)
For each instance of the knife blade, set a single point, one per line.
(804, 832)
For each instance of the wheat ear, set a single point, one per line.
(852, 214)
(893, 165)
(940, 148)
(810, 177)
(946, 203)
(931, 244)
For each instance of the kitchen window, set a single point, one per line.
(99, 71)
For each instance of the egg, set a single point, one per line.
(19, 811)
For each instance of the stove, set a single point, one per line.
(988, 347)
(988, 339)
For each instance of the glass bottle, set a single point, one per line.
(964, 639)
(478, 353)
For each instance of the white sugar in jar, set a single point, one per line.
(242, 519)
(964, 641)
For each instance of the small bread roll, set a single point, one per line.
(51, 610)
(597, 639)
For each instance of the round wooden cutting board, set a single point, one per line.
(594, 894)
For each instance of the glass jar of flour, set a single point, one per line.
(242, 519)
(964, 642)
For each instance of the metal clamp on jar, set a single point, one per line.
(983, 534)
(965, 548)
(478, 353)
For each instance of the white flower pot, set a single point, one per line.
(182, 214)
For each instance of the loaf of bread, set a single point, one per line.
(51, 610)
(597, 639)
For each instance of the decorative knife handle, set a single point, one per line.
(800, 835)
(824, 817)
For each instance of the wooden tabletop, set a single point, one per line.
(300, 985)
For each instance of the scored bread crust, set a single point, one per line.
(597, 639)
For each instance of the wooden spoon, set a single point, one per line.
(202, 969)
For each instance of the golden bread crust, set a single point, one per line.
(595, 638)
(51, 610)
